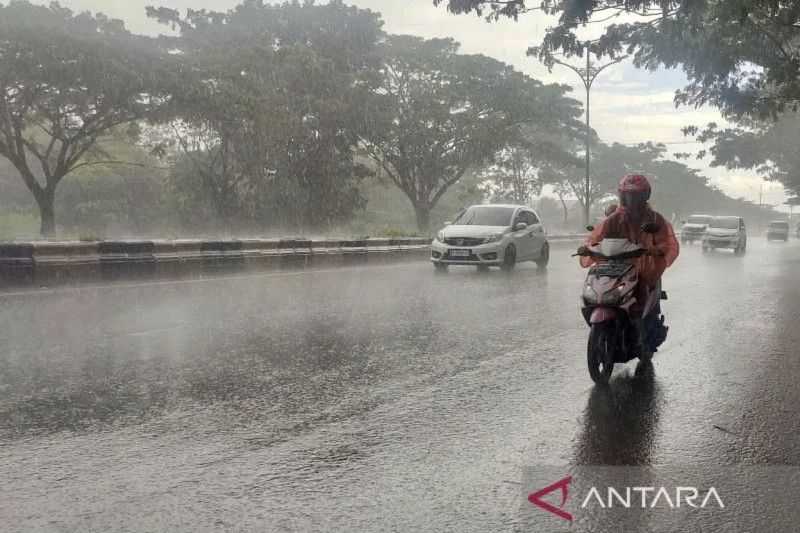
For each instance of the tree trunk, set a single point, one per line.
(586, 213)
(566, 210)
(423, 214)
(47, 213)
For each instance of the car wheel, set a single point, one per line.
(509, 258)
(544, 256)
(440, 267)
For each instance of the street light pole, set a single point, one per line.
(587, 183)
(587, 75)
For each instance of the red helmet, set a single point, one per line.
(636, 183)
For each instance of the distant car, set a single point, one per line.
(694, 228)
(726, 232)
(492, 235)
(778, 230)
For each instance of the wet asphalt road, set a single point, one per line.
(377, 399)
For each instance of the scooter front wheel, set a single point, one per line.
(600, 353)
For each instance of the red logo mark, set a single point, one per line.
(536, 498)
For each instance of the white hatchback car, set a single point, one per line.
(492, 235)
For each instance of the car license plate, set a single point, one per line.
(459, 253)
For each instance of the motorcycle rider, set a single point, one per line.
(627, 222)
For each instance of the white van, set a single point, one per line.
(726, 232)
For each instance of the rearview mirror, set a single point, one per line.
(519, 226)
(590, 228)
(650, 227)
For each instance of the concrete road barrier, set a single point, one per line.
(74, 262)
(121, 260)
(67, 262)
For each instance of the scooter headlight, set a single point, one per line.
(611, 297)
(616, 295)
(589, 294)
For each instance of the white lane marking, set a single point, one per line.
(152, 331)
(203, 280)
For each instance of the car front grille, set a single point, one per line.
(471, 257)
(463, 241)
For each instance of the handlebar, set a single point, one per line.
(625, 255)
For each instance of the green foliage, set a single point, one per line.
(389, 211)
(114, 199)
(65, 81)
(14, 196)
(526, 164)
(19, 225)
(765, 145)
(269, 119)
(394, 233)
(308, 117)
(739, 55)
(676, 188)
(438, 113)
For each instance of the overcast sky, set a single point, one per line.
(628, 105)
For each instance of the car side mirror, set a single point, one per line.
(519, 226)
(589, 228)
(447, 223)
(650, 227)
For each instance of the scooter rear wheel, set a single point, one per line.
(600, 354)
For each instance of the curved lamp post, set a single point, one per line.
(588, 74)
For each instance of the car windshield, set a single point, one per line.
(485, 215)
(779, 225)
(699, 220)
(725, 223)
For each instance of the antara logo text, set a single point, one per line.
(628, 498)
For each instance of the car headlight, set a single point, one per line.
(440, 236)
(493, 238)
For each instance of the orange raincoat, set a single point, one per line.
(619, 225)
